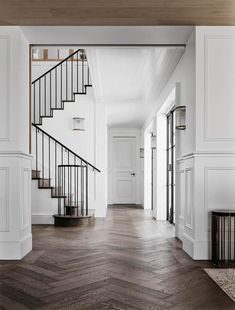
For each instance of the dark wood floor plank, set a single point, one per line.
(127, 261)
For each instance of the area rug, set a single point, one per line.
(225, 279)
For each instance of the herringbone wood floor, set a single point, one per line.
(126, 261)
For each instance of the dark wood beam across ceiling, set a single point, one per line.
(117, 12)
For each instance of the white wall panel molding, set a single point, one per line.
(218, 95)
(180, 201)
(181, 195)
(4, 199)
(25, 198)
(5, 76)
(15, 206)
(189, 198)
(215, 92)
(15, 187)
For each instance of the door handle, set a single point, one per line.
(133, 174)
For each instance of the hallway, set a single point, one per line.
(126, 261)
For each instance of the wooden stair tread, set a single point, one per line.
(45, 187)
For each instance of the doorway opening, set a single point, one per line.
(170, 155)
(165, 158)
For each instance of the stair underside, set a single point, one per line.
(62, 104)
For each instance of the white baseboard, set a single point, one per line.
(198, 250)
(188, 245)
(15, 250)
(179, 231)
(46, 219)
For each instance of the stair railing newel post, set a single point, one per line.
(69, 180)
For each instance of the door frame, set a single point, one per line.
(170, 150)
(123, 132)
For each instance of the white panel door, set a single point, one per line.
(124, 170)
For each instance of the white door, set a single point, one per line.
(124, 170)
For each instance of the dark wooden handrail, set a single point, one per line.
(56, 66)
(66, 148)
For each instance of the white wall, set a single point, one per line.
(125, 132)
(147, 167)
(15, 162)
(209, 171)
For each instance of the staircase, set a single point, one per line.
(56, 167)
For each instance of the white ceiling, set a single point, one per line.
(130, 79)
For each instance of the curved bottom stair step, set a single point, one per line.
(69, 220)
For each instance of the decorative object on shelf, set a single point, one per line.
(79, 123)
(141, 152)
(153, 141)
(180, 117)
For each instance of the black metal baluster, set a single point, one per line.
(83, 87)
(217, 239)
(45, 94)
(77, 190)
(36, 152)
(50, 95)
(70, 188)
(62, 162)
(56, 192)
(43, 159)
(64, 189)
(223, 238)
(213, 238)
(229, 238)
(39, 99)
(86, 190)
(74, 189)
(56, 87)
(68, 182)
(59, 199)
(72, 78)
(49, 158)
(66, 64)
(77, 75)
(233, 239)
(61, 83)
(82, 189)
(34, 110)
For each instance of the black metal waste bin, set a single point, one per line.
(223, 238)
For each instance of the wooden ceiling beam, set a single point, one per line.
(117, 12)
